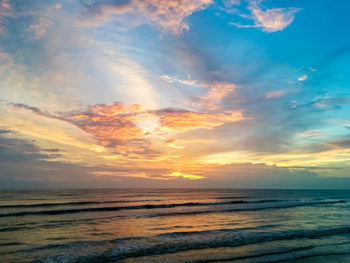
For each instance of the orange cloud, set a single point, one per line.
(177, 120)
(109, 122)
(132, 133)
(114, 109)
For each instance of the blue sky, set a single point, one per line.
(203, 93)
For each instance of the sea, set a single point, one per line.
(175, 225)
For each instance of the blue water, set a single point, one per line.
(175, 226)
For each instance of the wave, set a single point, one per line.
(323, 254)
(117, 249)
(72, 203)
(284, 255)
(242, 209)
(11, 244)
(258, 255)
(134, 207)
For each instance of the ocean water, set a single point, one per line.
(175, 226)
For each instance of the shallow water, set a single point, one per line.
(175, 226)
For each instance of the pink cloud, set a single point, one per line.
(275, 94)
(169, 16)
(273, 20)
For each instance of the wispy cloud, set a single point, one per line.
(331, 101)
(230, 3)
(344, 143)
(5, 11)
(41, 27)
(166, 15)
(181, 120)
(217, 90)
(310, 134)
(127, 129)
(269, 20)
(273, 20)
(275, 94)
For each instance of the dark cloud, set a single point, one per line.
(344, 143)
(42, 174)
(24, 165)
(19, 150)
(2, 131)
(36, 110)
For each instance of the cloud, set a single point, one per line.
(36, 123)
(345, 143)
(58, 6)
(331, 102)
(180, 120)
(118, 122)
(247, 175)
(270, 20)
(105, 122)
(180, 144)
(230, 3)
(132, 132)
(115, 123)
(167, 15)
(310, 134)
(5, 11)
(182, 81)
(36, 110)
(5, 131)
(20, 150)
(22, 175)
(42, 26)
(108, 123)
(307, 157)
(186, 176)
(275, 94)
(24, 162)
(273, 20)
(303, 78)
(217, 90)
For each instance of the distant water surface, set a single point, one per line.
(175, 226)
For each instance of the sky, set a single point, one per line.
(174, 93)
